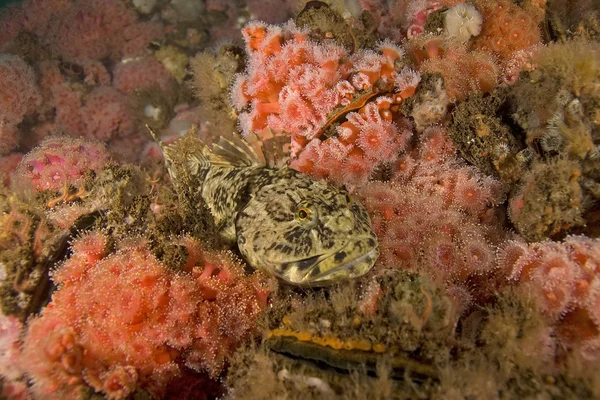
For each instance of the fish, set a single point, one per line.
(302, 230)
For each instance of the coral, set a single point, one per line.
(273, 12)
(67, 101)
(515, 333)
(435, 215)
(258, 372)
(324, 23)
(563, 277)
(174, 60)
(484, 139)
(567, 74)
(95, 73)
(9, 137)
(19, 96)
(86, 30)
(142, 74)
(430, 103)
(8, 165)
(521, 60)
(213, 75)
(462, 22)
(107, 115)
(331, 109)
(367, 139)
(507, 27)
(94, 30)
(548, 200)
(11, 19)
(13, 386)
(144, 6)
(58, 163)
(464, 73)
(419, 14)
(137, 37)
(292, 83)
(24, 233)
(136, 338)
(343, 328)
(384, 19)
(107, 265)
(515, 346)
(576, 19)
(561, 128)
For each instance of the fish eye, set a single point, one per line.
(348, 199)
(303, 214)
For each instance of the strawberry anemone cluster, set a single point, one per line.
(565, 278)
(340, 108)
(121, 320)
(435, 215)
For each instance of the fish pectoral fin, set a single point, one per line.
(227, 233)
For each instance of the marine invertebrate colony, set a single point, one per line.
(19, 96)
(435, 215)
(564, 277)
(469, 131)
(137, 338)
(296, 86)
(462, 21)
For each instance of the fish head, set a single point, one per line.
(306, 232)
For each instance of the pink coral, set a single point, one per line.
(104, 114)
(138, 35)
(463, 72)
(122, 321)
(565, 278)
(341, 125)
(59, 162)
(85, 30)
(107, 114)
(293, 83)
(433, 216)
(142, 74)
(507, 27)
(418, 13)
(96, 73)
(67, 102)
(14, 386)
(11, 20)
(9, 137)
(368, 138)
(19, 96)
(8, 165)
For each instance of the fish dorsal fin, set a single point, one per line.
(185, 156)
(276, 149)
(270, 149)
(236, 152)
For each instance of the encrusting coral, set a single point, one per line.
(138, 338)
(467, 130)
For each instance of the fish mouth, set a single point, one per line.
(350, 261)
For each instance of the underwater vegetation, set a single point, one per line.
(359, 199)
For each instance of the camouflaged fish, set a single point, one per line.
(299, 229)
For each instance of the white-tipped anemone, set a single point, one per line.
(462, 21)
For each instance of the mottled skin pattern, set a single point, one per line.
(303, 231)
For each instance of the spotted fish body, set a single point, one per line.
(302, 230)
